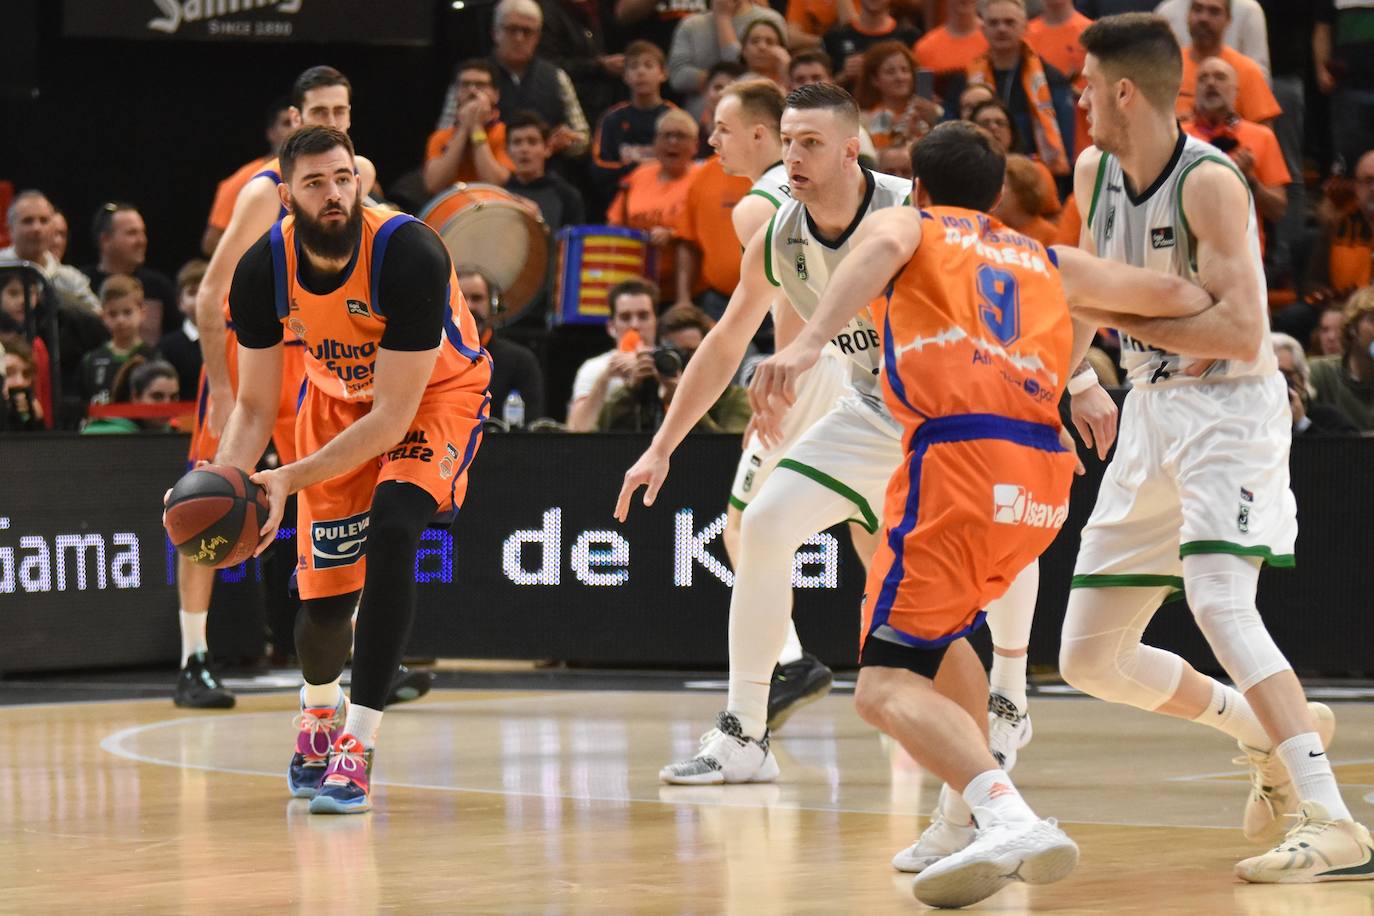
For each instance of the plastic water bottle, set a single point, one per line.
(513, 411)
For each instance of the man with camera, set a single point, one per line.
(641, 407)
(1252, 147)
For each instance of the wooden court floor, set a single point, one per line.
(549, 803)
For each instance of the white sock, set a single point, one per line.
(1311, 771)
(995, 791)
(321, 696)
(953, 808)
(192, 634)
(748, 702)
(1008, 678)
(792, 649)
(362, 723)
(1230, 712)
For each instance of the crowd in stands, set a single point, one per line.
(601, 113)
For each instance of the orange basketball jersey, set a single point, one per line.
(342, 329)
(976, 323)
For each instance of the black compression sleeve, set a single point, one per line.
(252, 298)
(414, 288)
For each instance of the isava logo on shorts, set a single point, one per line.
(1014, 505)
(338, 541)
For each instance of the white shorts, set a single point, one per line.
(1198, 469)
(819, 390)
(854, 451)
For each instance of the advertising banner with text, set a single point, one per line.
(394, 22)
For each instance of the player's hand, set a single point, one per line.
(774, 386)
(1094, 416)
(649, 472)
(277, 485)
(217, 415)
(1066, 440)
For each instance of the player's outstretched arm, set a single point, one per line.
(1233, 327)
(884, 243)
(254, 213)
(1105, 287)
(705, 378)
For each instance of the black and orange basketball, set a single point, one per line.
(214, 514)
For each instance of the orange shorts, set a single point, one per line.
(434, 455)
(978, 497)
(204, 443)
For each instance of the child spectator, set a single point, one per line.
(22, 410)
(625, 134)
(181, 348)
(140, 381)
(121, 308)
(527, 139)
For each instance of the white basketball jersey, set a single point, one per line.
(801, 262)
(772, 185)
(1151, 231)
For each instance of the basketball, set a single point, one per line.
(214, 514)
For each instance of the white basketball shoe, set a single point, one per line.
(1002, 852)
(1272, 796)
(942, 838)
(726, 755)
(1009, 730)
(1316, 849)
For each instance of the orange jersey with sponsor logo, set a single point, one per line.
(976, 323)
(342, 329)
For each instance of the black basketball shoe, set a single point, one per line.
(796, 684)
(409, 685)
(199, 688)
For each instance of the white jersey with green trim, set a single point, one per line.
(1149, 230)
(772, 185)
(801, 262)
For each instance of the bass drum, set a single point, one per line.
(488, 227)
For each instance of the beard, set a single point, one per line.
(326, 242)
(1109, 130)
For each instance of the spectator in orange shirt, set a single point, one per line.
(892, 112)
(474, 148)
(652, 197)
(280, 122)
(707, 252)
(1343, 257)
(950, 49)
(1207, 22)
(1252, 147)
(1022, 205)
(1054, 36)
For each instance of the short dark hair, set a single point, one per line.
(103, 220)
(637, 286)
(279, 104)
(960, 165)
(1001, 106)
(682, 317)
(1140, 47)
(729, 67)
(117, 286)
(813, 56)
(527, 118)
(476, 63)
(824, 96)
(314, 78)
(310, 141)
(191, 273)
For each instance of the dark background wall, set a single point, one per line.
(160, 123)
